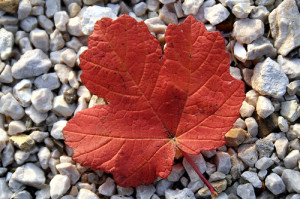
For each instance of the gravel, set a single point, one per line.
(41, 89)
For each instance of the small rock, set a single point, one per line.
(260, 47)
(74, 26)
(92, 15)
(291, 160)
(32, 63)
(35, 116)
(216, 176)
(264, 163)
(290, 110)
(29, 174)
(74, 44)
(291, 180)
(247, 30)
(284, 28)
(216, 14)
(6, 43)
(22, 92)
(269, 79)
(42, 100)
(56, 131)
(237, 165)
(262, 174)
(219, 186)
(264, 107)
(24, 9)
(10, 6)
(239, 123)
(3, 139)
(21, 157)
(177, 172)
(29, 23)
(86, 194)
(5, 192)
(252, 97)
(176, 194)
(57, 41)
(144, 191)
(167, 16)
(281, 146)
(191, 7)
(199, 162)
(16, 127)
(283, 124)
(291, 67)
(252, 126)
(235, 137)
(162, 186)
(5, 73)
(25, 44)
(242, 10)
(259, 12)
(8, 155)
(62, 72)
(156, 25)
(48, 80)
(61, 18)
(59, 185)
(43, 193)
(248, 154)
(125, 191)
(70, 170)
(275, 184)
(140, 8)
(252, 178)
(52, 6)
(68, 57)
(264, 147)
(44, 156)
(194, 186)
(46, 23)
(210, 168)
(240, 52)
(22, 141)
(222, 161)
(40, 39)
(246, 191)
(61, 107)
(246, 109)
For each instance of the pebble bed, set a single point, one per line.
(40, 42)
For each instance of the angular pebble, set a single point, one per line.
(290, 110)
(48, 80)
(246, 191)
(57, 128)
(264, 107)
(144, 191)
(252, 178)
(70, 170)
(291, 179)
(59, 185)
(216, 14)
(9, 106)
(200, 163)
(6, 43)
(275, 184)
(269, 79)
(176, 194)
(248, 154)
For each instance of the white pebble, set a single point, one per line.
(290, 110)
(61, 18)
(56, 131)
(29, 23)
(291, 179)
(59, 185)
(291, 160)
(25, 44)
(48, 80)
(140, 8)
(35, 115)
(39, 136)
(191, 7)
(46, 23)
(281, 146)
(264, 163)
(73, 9)
(9, 106)
(86, 194)
(246, 191)
(68, 57)
(145, 191)
(57, 41)
(223, 162)
(61, 107)
(24, 9)
(62, 72)
(264, 107)
(108, 188)
(21, 157)
(74, 26)
(70, 170)
(199, 162)
(52, 6)
(247, 30)
(275, 184)
(42, 100)
(248, 154)
(246, 109)
(6, 43)
(44, 156)
(16, 127)
(252, 178)
(216, 14)
(167, 16)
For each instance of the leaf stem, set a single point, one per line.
(213, 192)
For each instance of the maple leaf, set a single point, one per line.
(183, 99)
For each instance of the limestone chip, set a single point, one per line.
(6, 43)
(10, 6)
(216, 14)
(284, 26)
(235, 137)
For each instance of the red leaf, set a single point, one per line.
(185, 98)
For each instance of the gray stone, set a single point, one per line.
(144, 191)
(281, 146)
(291, 179)
(5, 192)
(86, 194)
(22, 141)
(191, 7)
(66, 168)
(275, 184)
(42, 100)
(290, 110)
(29, 23)
(223, 163)
(291, 67)
(182, 194)
(177, 172)
(264, 147)
(32, 63)
(269, 79)
(291, 160)
(6, 43)
(247, 30)
(44, 156)
(264, 163)
(35, 116)
(52, 6)
(48, 80)
(59, 185)
(29, 174)
(8, 155)
(246, 191)
(252, 178)
(216, 14)
(46, 23)
(57, 41)
(24, 9)
(9, 106)
(248, 154)
(284, 28)
(199, 162)
(259, 48)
